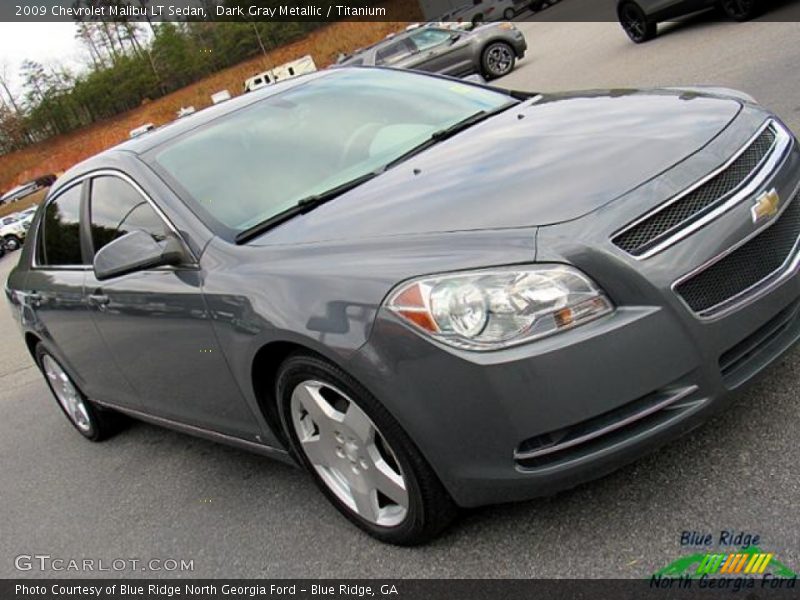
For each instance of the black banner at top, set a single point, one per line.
(343, 10)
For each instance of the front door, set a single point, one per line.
(441, 51)
(156, 325)
(57, 302)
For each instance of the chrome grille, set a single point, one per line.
(745, 267)
(647, 233)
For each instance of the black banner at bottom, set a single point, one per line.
(408, 589)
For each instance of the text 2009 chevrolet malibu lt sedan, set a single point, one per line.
(429, 293)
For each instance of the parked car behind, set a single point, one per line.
(483, 11)
(428, 293)
(490, 50)
(13, 231)
(294, 68)
(19, 192)
(640, 18)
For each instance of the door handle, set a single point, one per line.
(98, 300)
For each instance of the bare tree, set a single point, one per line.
(6, 86)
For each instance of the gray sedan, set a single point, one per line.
(489, 50)
(427, 293)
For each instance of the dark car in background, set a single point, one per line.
(428, 293)
(490, 50)
(640, 18)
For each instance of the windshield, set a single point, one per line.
(251, 165)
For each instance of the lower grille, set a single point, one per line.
(606, 430)
(745, 267)
(739, 357)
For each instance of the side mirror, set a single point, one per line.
(454, 37)
(136, 251)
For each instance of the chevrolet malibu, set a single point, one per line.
(430, 294)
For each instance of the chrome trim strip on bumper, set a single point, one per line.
(680, 395)
(780, 148)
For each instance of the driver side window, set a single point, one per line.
(425, 39)
(117, 208)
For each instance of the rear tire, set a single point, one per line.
(357, 453)
(509, 14)
(92, 422)
(636, 24)
(740, 10)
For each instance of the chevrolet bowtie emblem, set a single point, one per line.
(766, 206)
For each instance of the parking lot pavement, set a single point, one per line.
(150, 493)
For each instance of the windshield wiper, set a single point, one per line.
(303, 206)
(448, 132)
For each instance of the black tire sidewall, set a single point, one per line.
(752, 13)
(12, 239)
(303, 367)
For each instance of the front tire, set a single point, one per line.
(13, 242)
(509, 14)
(740, 10)
(359, 456)
(636, 24)
(497, 59)
(92, 422)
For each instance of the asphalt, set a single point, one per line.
(151, 493)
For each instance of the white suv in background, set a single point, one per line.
(13, 231)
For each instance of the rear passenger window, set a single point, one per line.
(61, 240)
(117, 208)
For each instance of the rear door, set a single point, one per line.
(155, 322)
(397, 53)
(55, 285)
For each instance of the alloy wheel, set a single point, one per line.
(635, 23)
(499, 59)
(349, 453)
(12, 243)
(67, 394)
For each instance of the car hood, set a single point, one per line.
(542, 162)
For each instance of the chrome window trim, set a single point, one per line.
(777, 153)
(105, 173)
(788, 268)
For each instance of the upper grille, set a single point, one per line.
(645, 234)
(746, 266)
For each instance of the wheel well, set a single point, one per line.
(266, 363)
(30, 341)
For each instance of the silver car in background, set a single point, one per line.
(490, 50)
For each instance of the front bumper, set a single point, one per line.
(602, 394)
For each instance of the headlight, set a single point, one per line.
(492, 309)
